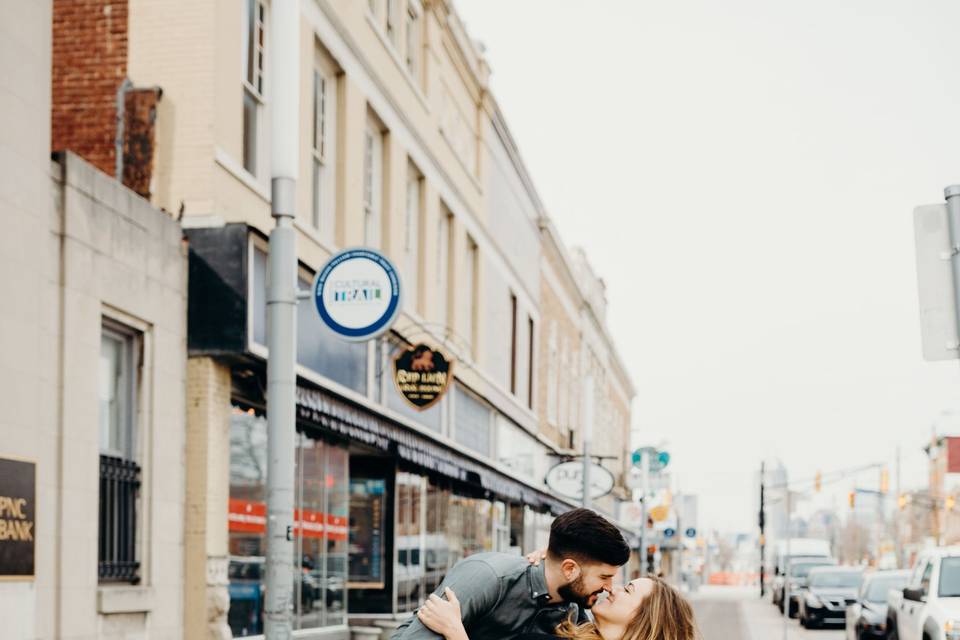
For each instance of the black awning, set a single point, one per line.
(327, 411)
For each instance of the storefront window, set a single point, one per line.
(247, 521)
(516, 449)
(318, 348)
(436, 528)
(472, 423)
(368, 515)
(410, 544)
(320, 528)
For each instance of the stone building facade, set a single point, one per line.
(93, 377)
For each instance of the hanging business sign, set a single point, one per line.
(422, 375)
(18, 511)
(357, 294)
(566, 479)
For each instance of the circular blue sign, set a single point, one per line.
(691, 532)
(668, 533)
(357, 294)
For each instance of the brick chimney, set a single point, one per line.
(89, 68)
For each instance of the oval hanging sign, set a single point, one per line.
(421, 375)
(566, 479)
(357, 294)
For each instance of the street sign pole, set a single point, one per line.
(282, 298)
(587, 436)
(952, 196)
(644, 485)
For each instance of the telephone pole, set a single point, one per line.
(762, 520)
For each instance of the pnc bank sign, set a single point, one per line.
(18, 512)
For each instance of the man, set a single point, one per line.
(503, 596)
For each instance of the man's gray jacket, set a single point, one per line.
(501, 597)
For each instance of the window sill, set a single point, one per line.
(235, 169)
(395, 56)
(124, 599)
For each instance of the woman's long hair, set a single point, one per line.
(663, 615)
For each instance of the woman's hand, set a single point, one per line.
(535, 557)
(443, 616)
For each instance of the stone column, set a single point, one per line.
(206, 599)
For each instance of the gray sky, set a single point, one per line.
(742, 174)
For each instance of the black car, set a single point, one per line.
(829, 591)
(867, 617)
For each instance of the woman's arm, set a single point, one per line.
(443, 616)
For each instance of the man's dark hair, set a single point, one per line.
(586, 536)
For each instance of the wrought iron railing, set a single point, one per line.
(119, 491)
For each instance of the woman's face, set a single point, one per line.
(621, 605)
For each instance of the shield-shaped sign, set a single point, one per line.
(421, 375)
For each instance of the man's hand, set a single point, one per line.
(535, 557)
(443, 616)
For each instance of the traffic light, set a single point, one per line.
(950, 502)
(852, 497)
(902, 501)
(884, 481)
(817, 481)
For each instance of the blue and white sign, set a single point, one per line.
(357, 294)
(669, 533)
(691, 532)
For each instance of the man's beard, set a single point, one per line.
(573, 592)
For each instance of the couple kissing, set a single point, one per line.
(497, 596)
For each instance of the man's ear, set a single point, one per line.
(570, 569)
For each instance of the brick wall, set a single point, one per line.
(89, 64)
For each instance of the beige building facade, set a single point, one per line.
(404, 150)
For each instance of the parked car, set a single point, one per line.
(796, 549)
(928, 608)
(828, 592)
(798, 571)
(867, 617)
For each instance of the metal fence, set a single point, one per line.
(119, 489)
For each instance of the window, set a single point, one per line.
(564, 368)
(530, 363)
(513, 343)
(552, 374)
(411, 235)
(412, 57)
(444, 227)
(119, 472)
(372, 183)
(470, 295)
(925, 580)
(254, 45)
(324, 142)
(320, 532)
(472, 422)
(317, 348)
(393, 22)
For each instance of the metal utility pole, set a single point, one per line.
(762, 521)
(644, 490)
(587, 436)
(282, 298)
(952, 196)
(787, 576)
(897, 543)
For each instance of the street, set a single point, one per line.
(724, 613)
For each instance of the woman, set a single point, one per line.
(644, 609)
